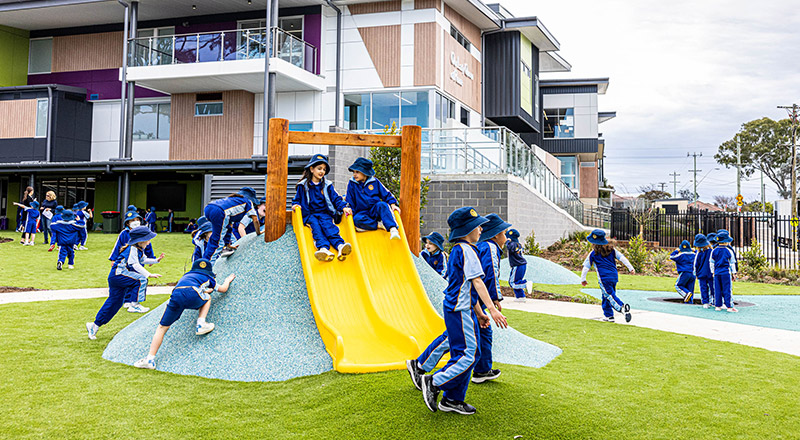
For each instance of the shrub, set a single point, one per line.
(659, 260)
(579, 236)
(531, 246)
(753, 258)
(637, 253)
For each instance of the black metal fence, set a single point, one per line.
(774, 233)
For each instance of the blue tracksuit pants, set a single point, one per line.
(119, 284)
(324, 231)
(517, 280)
(484, 363)
(66, 252)
(723, 286)
(685, 286)
(380, 212)
(82, 235)
(610, 300)
(440, 346)
(220, 232)
(463, 335)
(706, 289)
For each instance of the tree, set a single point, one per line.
(649, 192)
(764, 147)
(686, 194)
(604, 195)
(727, 203)
(755, 206)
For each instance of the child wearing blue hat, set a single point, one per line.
(56, 217)
(462, 318)
(193, 291)
(191, 226)
(247, 222)
(371, 202)
(684, 263)
(132, 220)
(67, 233)
(724, 267)
(603, 258)
(434, 254)
(150, 218)
(31, 223)
(318, 202)
(518, 264)
(223, 214)
(702, 269)
(81, 214)
(712, 240)
(201, 237)
(127, 274)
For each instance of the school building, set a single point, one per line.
(173, 117)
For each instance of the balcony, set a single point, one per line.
(224, 60)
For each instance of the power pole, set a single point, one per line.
(738, 174)
(793, 118)
(674, 183)
(695, 171)
(763, 199)
(663, 185)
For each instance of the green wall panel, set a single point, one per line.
(14, 55)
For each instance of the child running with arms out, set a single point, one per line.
(518, 264)
(67, 234)
(371, 202)
(434, 254)
(604, 259)
(724, 267)
(193, 291)
(702, 269)
(31, 222)
(318, 202)
(684, 258)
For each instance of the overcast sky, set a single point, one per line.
(684, 75)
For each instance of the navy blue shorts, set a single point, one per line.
(180, 300)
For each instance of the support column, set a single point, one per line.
(272, 21)
(410, 182)
(278, 175)
(134, 19)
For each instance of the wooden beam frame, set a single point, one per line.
(409, 142)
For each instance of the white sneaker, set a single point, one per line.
(31, 244)
(733, 309)
(204, 328)
(394, 234)
(92, 329)
(706, 306)
(83, 248)
(718, 308)
(344, 251)
(70, 267)
(360, 229)
(227, 253)
(126, 305)
(138, 308)
(324, 254)
(606, 319)
(149, 364)
(380, 226)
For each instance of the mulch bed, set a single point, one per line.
(8, 289)
(5, 240)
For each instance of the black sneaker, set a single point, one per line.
(415, 372)
(627, 309)
(430, 392)
(464, 408)
(58, 265)
(483, 377)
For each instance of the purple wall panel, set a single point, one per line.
(312, 30)
(103, 82)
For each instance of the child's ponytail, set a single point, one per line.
(604, 249)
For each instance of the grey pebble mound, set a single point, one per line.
(265, 329)
(542, 271)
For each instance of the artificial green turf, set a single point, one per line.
(33, 266)
(612, 381)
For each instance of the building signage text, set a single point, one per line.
(458, 67)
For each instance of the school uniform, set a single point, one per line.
(519, 266)
(191, 227)
(189, 293)
(122, 239)
(490, 254)
(436, 260)
(249, 226)
(723, 265)
(607, 277)
(702, 271)
(222, 214)
(370, 201)
(80, 220)
(67, 234)
(32, 220)
(319, 202)
(684, 264)
(150, 219)
(53, 235)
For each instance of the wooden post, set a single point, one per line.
(410, 177)
(277, 178)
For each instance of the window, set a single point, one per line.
(559, 123)
(292, 26)
(462, 40)
(301, 126)
(569, 171)
(536, 98)
(151, 122)
(357, 110)
(414, 108)
(40, 58)
(444, 109)
(41, 118)
(465, 116)
(208, 104)
(155, 51)
(376, 111)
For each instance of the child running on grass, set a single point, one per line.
(684, 264)
(132, 220)
(56, 217)
(67, 234)
(724, 267)
(193, 291)
(462, 318)
(604, 259)
(127, 274)
(434, 254)
(518, 263)
(81, 214)
(31, 222)
(702, 269)
(371, 202)
(318, 202)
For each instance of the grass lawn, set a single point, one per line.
(612, 381)
(33, 266)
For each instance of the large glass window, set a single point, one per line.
(414, 108)
(559, 123)
(208, 109)
(357, 110)
(444, 109)
(40, 57)
(569, 171)
(301, 126)
(376, 111)
(385, 110)
(292, 26)
(41, 118)
(151, 122)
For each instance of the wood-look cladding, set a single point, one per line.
(428, 4)
(383, 45)
(427, 54)
(229, 136)
(18, 119)
(87, 52)
(470, 92)
(469, 30)
(375, 7)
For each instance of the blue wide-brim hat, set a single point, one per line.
(67, 215)
(205, 227)
(513, 235)
(152, 209)
(35, 204)
(318, 159)
(82, 204)
(362, 165)
(200, 220)
(720, 231)
(59, 209)
(598, 236)
(493, 226)
(249, 194)
(262, 201)
(712, 237)
(685, 246)
(140, 234)
(132, 208)
(462, 221)
(701, 240)
(724, 237)
(202, 265)
(131, 215)
(76, 206)
(435, 238)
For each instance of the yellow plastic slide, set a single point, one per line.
(371, 309)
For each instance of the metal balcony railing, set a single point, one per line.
(202, 47)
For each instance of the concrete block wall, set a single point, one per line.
(340, 158)
(529, 211)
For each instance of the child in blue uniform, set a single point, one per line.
(127, 274)
(224, 213)
(132, 220)
(724, 267)
(434, 254)
(80, 219)
(371, 202)
(150, 218)
(603, 258)
(190, 227)
(67, 233)
(462, 315)
(712, 240)
(702, 269)
(319, 203)
(247, 222)
(31, 222)
(684, 264)
(518, 263)
(193, 291)
(56, 217)
(200, 238)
